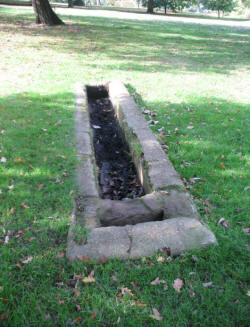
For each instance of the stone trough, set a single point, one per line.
(164, 218)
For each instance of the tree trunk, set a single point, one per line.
(218, 13)
(150, 9)
(44, 13)
(70, 3)
(165, 8)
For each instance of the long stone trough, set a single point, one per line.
(164, 218)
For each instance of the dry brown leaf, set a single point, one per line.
(60, 301)
(177, 285)
(19, 266)
(40, 186)
(88, 279)
(11, 212)
(156, 315)
(19, 160)
(165, 288)
(27, 260)
(78, 308)
(24, 205)
(139, 304)
(125, 290)
(94, 314)
(158, 281)
(77, 319)
(223, 165)
(4, 316)
(208, 211)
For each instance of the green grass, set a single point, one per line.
(190, 75)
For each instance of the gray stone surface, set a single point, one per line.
(163, 175)
(86, 179)
(145, 239)
(179, 204)
(104, 242)
(177, 234)
(130, 212)
(83, 144)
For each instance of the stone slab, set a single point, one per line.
(145, 239)
(176, 234)
(86, 179)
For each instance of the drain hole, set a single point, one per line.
(117, 173)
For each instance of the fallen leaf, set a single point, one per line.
(190, 127)
(125, 290)
(84, 258)
(208, 284)
(94, 314)
(165, 288)
(208, 211)
(25, 205)
(40, 186)
(139, 304)
(4, 316)
(60, 301)
(177, 285)
(222, 165)
(223, 222)
(161, 259)
(115, 279)
(158, 281)
(246, 229)
(11, 212)
(156, 315)
(27, 260)
(71, 192)
(78, 308)
(88, 279)
(77, 319)
(11, 187)
(19, 160)
(19, 266)
(135, 286)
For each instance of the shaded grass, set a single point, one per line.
(190, 76)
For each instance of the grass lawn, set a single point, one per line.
(196, 79)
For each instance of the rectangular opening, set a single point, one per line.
(117, 176)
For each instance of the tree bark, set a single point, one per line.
(150, 9)
(44, 13)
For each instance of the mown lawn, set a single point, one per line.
(196, 79)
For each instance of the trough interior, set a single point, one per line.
(117, 176)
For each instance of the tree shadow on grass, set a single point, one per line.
(145, 46)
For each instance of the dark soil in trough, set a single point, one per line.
(117, 174)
